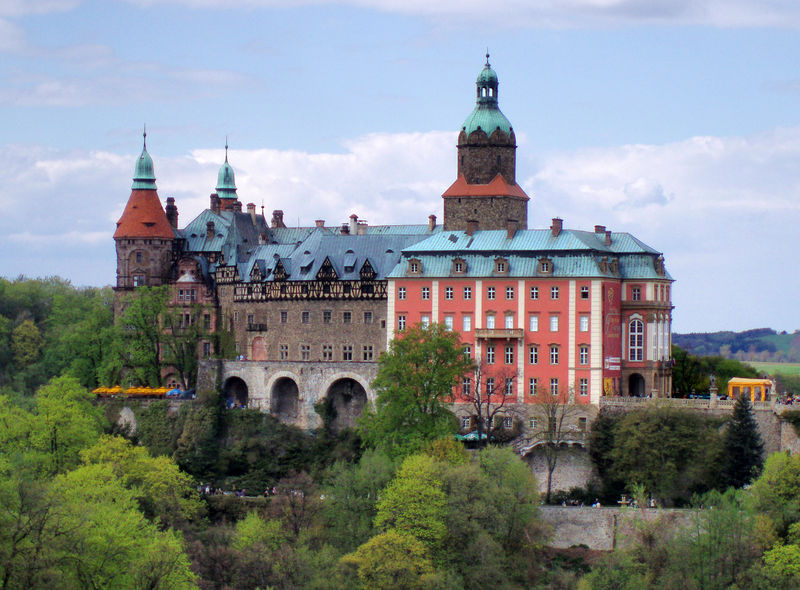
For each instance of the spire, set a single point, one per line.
(486, 115)
(226, 182)
(143, 175)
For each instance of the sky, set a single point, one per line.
(675, 120)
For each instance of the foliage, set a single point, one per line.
(141, 334)
(776, 494)
(392, 561)
(415, 377)
(690, 373)
(490, 399)
(743, 447)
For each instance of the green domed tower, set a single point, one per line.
(486, 191)
(226, 186)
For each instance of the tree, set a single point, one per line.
(415, 377)
(141, 334)
(743, 447)
(392, 561)
(776, 493)
(182, 342)
(26, 342)
(554, 417)
(488, 393)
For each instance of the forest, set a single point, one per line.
(88, 502)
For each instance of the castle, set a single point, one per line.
(312, 308)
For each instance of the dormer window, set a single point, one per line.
(545, 266)
(501, 266)
(459, 266)
(414, 266)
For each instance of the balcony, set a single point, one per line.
(256, 327)
(500, 333)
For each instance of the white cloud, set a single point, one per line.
(723, 210)
(554, 13)
(22, 7)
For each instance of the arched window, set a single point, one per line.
(636, 340)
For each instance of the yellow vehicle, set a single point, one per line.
(755, 389)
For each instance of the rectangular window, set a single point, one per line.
(554, 323)
(509, 321)
(206, 349)
(448, 322)
(401, 292)
(347, 352)
(426, 292)
(490, 354)
(466, 323)
(305, 317)
(584, 323)
(532, 423)
(207, 321)
(583, 355)
(584, 292)
(401, 323)
(467, 293)
(367, 317)
(193, 294)
(284, 352)
(466, 423)
(508, 422)
(554, 386)
(509, 354)
(533, 354)
(180, 291)
(284, 316)
(582, 424)
(509, 292)
(636, 293)
(533, 323)
(490, 386)
(251, 319)
(583, 386)
(305, 352)
(534, 293)
(139, 259)
(367, 356)
(554, 355)
(490, 293)
(425, 321)
(509, 386)
(448, 292)
(326, 316)
(347, 317)
(468, 351)
(490, 321)
(466, 387)
(327, 352)
(553, 292)
(533, 386)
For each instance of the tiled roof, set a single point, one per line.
(497, 187)
(144, 217)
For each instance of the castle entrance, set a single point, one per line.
(235, 390)
(284, 399)
(346, 399)
(636, 385)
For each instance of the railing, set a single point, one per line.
(723, 404)
(507, 333)
(256, 327)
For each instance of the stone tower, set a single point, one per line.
(486, 194)
(145, 237)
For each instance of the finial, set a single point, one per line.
(487, 57)
(144, 135)
(226, 148)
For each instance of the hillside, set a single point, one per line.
(761, 344)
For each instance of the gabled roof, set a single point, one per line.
(498, 187)
(144, 217)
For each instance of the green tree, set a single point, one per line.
(413, 503)
(415, 377)
(781, 568)
(392, 561)
(142, 335)
(26, 343)
(744, 450)
(776, 493)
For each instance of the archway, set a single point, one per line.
(258, 350)
(235, 390)
(346, 400)
(284, 399)
(636, 385)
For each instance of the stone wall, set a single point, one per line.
(490, 212)
(604, 529)
(574, 469)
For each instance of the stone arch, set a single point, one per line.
(284, 396)
(236, 391)
(636, 385)
(346, 398)
(258, 349)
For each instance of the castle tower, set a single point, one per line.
(486, 194)
(144, 236)
(226, 187)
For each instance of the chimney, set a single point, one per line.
(216, 204)
(251, 209)
(353, 224)
(210, 231)
(320, 222)
(472, 226)
(608, 237)
(237, 206)
(511, 228)
(277, 218)
(172, 212)
(362, 228)
(599, 229)
(555, 229)
(431, 222)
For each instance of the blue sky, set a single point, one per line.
(674, 120)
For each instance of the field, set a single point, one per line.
(773, 368)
